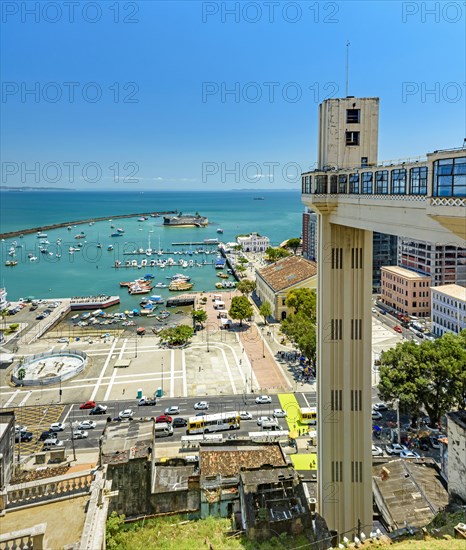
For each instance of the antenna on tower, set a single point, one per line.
(347, 65)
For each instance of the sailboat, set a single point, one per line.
(149, 249)
(98, 245)
(160, 251)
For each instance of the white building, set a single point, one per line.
(3, 301)
(448, 309)
(253, 242)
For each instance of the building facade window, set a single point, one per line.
(321, 185)
(367, 179)
(342, 183)
(381, 182)
(333, 184)
(450, 177)
(354, 183)
(353, 116)
(398, 181)
(418, 180)
(352, 139)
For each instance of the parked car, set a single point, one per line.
(376, 415)
(376, 451)
(201, 414)
(40, 317)
(164, 418)
(99, 409)
(398, 329)
(409, 454)
(23, 437)
(395, 449)
(201, 405)
(179, 422)
(147, 402)
(57, 427)
(127, 413)
(263, 399)
(20, 428)
(279, 413)
(262, 419)
(380, 407)
(47, 434)
(52, 444)
(172, 410)
(88, 405)
(87, 425)
(434, 442)
(80, 434)
(244, 415)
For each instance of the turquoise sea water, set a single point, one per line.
(91, 271)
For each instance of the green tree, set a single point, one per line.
(240, 268)
(294, 244)
(300, 328)
(176, 336)
(199, 316)
(114, 525)
(21, 373)
(302, 300)
(429, 376)
(265, 310)
(242, 260)
(246, 286)
(240, 309)
(275, 254)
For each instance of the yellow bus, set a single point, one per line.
(308, 415)
(213, 423)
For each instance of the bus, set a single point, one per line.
(213, 423)
(308, 415)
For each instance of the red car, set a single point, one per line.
(88, 405)
(398, 329)
(164, 418)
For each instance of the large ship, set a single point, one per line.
(186, 220)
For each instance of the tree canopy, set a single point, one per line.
(240, 309)
(199, 316)
(430, 376)
(265, 310)
(294, 244)
(176, 336)
(246, 286)
(302, 300)
(275, 254)
(300, 328)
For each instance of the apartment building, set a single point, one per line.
(405, 291)
(446, 264)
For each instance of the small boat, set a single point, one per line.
(120, 230)
(218, 285)
(219, 230)
(11, 263)
(41, 235)
(98, 245)
(33, 259)
(80, 236)
(116, 235)
(85, 316)
(161, 285)
(110, 247)
(69, 228)
(142, 219)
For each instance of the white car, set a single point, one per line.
(21, 428)
(262, 419)
(87, 425)
(52, 443)
(279, 413)
(376, 415)
(57, 427)
(380, 407)
(201, 405)
(263, 399)
(127, 413)
(395, 449)
(409, 454)
(376, 451)
(244, 415)
(80, 434)
(172, 410)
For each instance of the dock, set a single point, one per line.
(199, 243)
(42, 228)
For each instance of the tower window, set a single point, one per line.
(352, 138)
(353, 116)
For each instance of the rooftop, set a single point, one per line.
(288, 272)
(228, 461)
(403, 272)
(453, 291)
(408, 492)
(126, 441)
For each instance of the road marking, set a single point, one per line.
(25, 398)
(11, 398)
(183, 370)
(230, 376)
(102, 372)
(172, 374)
(114, 373)
(67, 414)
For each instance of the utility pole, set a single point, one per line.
(72, 440)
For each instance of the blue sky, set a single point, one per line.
(172, 124)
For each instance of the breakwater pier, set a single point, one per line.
(42, 228)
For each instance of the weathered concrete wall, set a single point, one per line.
(132, 481)
(456, 459)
